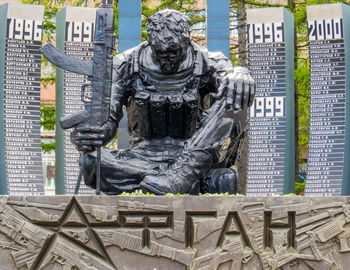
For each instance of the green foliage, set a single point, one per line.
(48, 147)
(299, 188)
(136, 193)
(300, 20)
(80, 3)
(177, 194)
(234, 57)
(48, 121)
(116, 17)
(181, 5)
(140, 193)
(302, 80)
(220, 194)
(48, 117)
(47, 80)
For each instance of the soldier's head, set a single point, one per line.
(169, 37)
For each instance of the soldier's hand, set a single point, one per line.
(86, 138)
(239, 87)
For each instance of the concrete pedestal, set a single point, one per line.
(120, 232)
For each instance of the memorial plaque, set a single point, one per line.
(20, 62)
(174, 232)
(328, 86)
(271, 118)
(75, 31)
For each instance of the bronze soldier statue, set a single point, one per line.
(182, 103)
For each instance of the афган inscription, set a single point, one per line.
(147, 233)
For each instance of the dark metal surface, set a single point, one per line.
(182, 104)
(62, 60)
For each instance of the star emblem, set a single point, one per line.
(73, 243)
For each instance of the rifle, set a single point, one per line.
(99, 72)
(233, 252)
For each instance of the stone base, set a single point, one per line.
(148, 233)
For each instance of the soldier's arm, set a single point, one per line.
(120, 90)
(86, 138)
(119, 94)
(220, 66)
(232, 82)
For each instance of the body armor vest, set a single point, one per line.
(164, 105)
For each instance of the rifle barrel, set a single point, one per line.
(98, 171)
(77, 185)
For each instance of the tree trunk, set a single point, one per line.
(242, 33)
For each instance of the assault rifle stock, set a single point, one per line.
(99, 72)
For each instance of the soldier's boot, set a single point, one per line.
(222, 180)
(182, 177)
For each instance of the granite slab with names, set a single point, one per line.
(268, 137)
(21, 39)
(76, 33)
(327, 131)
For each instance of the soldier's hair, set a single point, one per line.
(172, 21)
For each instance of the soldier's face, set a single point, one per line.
(169, 58)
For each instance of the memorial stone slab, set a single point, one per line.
(20, 63)
(271, 118)
(75, 31)
(327, 168)
(197, 233)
